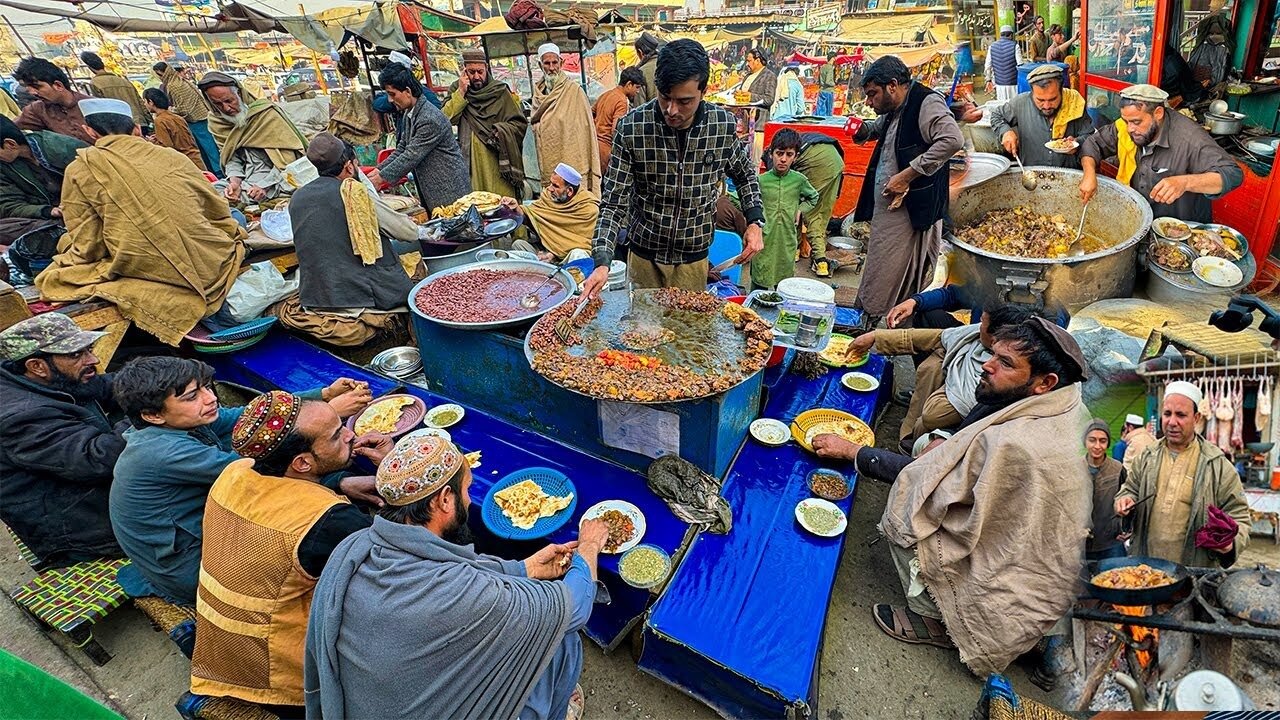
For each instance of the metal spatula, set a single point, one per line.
(564, 326)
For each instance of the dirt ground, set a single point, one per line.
(864, 673)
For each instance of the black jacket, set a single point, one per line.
(331, 276)
(57, 454)
(926, 204)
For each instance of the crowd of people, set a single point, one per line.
(319, 563)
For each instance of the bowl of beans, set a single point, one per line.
(829, 484)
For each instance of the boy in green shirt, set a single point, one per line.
(785, 195)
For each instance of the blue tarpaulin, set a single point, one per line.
(740, 625)
(288, 363)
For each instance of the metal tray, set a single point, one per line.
(979, 168)
(605, 327)
(534, 266)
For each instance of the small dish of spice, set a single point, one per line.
(644, 566)
(829, 484)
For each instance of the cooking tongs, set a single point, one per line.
(564, 326)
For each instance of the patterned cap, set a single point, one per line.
(418, 467)
(267, 419)
(50, 332)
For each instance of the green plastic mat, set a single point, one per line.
(29, 693)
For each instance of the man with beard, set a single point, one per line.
(57, 447)
(485, 637)
(491, 128)
(917, 136)
(563, 217)
(166, 259)
(179, 444)
(761, 83)
(255, 138)
(560, 112)
(1193, 511)
(1047, 112)
(991, 580)
(57, 110)
(269, 527)
(189, 105)
(1164, 155)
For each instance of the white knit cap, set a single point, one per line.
(571, 176)
(110, 106)
(1186, 390)
(399, 57)
(1134, 420)
(545, 48)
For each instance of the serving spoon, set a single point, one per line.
(1028, 177)
(1076, 249)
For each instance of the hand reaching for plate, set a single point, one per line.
(830, 445)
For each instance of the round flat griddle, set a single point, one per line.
(706, 343)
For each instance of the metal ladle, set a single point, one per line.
(1076, 249)
(1028, 177)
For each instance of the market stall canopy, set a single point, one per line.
(438, 22)
(893, 30)
(912, 57)
(500, 41)
(800, 57)
(758, 19)
(377, 24)
(232, 18)
(713, 39)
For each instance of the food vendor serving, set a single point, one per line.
(1046, 112)
(669, 156)
(1162, 154)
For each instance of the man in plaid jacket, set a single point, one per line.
(669, 157)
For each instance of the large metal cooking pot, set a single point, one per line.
(1118, 215)
(1228, 123)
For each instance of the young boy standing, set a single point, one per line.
(785, 194)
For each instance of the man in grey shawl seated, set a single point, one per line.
(482, 637)
(948, 374)
(987, 530)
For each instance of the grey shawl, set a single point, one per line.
(963, 364)
(405, 624)
(428, 149)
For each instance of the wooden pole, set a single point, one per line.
(16, 34)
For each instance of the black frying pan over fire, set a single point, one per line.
(1178, 589)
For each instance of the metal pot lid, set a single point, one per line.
(1207, 690)
(1252, 595)
(498, 228)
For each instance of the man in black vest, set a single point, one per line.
(352, 286)
(917, 128)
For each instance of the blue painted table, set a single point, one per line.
(284, 362)
(740, 625)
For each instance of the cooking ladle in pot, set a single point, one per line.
(1028, 177)
(1076, 248)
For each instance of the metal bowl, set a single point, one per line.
(398, 362)
(1180, 248)
(534, 266)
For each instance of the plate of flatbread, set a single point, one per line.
(822, 421)
(392, 415)
(529, 504)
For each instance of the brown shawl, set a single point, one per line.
(564, 227)
(267, 129)
(493, 115)
(999, 515)
(166, 258)
(558, 120)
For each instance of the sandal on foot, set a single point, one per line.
(577, 704)
(902, 624)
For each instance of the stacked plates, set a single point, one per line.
(231, 339)
(398, 362)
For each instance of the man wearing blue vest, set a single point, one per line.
(1001, 68)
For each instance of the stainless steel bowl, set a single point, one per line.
(1215, 227)
(562, 276)
(1180, 248)
(398, 362)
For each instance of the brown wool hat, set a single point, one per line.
(474, 55)
(1065, 345)
(325, 150)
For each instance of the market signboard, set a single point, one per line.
(822, 19)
